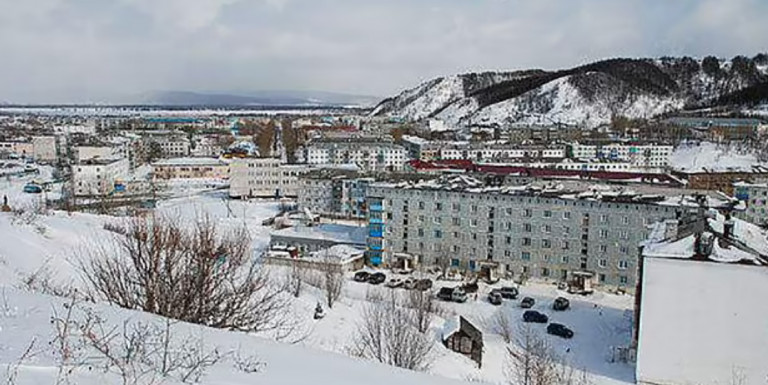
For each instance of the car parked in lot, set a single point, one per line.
(495, 298)
(509, 292)
(527, 303)
(561, 304)
(534, 316)
(410, 283)
(362, 276)
(377, 278)
(559, 330)
(470, 287)
(394, 282)
(455, 294)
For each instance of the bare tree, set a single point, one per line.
(333, 278)
(500, 323)
(194, 275)
(296, 276)
(387, 334)
(424, 307)
(534, 362)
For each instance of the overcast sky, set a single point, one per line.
(101, 50)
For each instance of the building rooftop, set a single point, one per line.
(190, 161)
(354, 235)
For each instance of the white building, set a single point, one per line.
(368, 154)
(44, 148)
(100, 152)
(263, 177)
(640, 155)
(98, 177)
(173, 146)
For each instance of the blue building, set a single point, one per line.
(375, 241)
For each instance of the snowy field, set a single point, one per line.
(600, 321)
(695, 157)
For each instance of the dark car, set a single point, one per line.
(534, 316)
(470, 287)
(561, 304)
(494, 297)
(509, 292)
(361, 276)
(445, 293)
(377, 278)
(527, 303)
(559, 330)
(424, 284)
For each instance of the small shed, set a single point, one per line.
(462, 337)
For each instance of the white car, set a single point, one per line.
(394, 282)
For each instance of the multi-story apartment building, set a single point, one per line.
(263, 177)
(100, 152)
(462, 225)
(755, 198)
(45, 148)
(639, 155)
(190, 168)
(173, 146)
(335, 193)
(368, 153)
(19, 148)
(98, 177)
(426, 150)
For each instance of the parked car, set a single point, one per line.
(470, 287)
(361, 276)
(509, 292)
(494, 297)
(559, 330)
(410, 283)
(402, 271)
(561, 304)
(455, 294)
(377, 278)
(394, 282)
(527, 303)
(534, 316)
(424, 284)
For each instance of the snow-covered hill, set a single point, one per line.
(588, 95)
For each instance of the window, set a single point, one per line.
(623, 279)
(566, 215)
(566, 230)
(625, 220)
(624, 234)
(602, 263)
(623, 265)
(421, 232)
(603, 218)
(473, 208)
(545, 272)
(508, 210)
(438, 206)
(601, 277)
(438, 233)
(421, 205)
(473, 222)
(565, 259)
(508, 226)
(565, 245)
(507, 253)
(526, 256)
(527, 213)
(474, 236)
(545, 243)
(507, 239)
(624, 249)
(547, 258)
(547, 214)
(603, 248)
(438, 220)
(546, 228)
(456, 234)
(455, 248)
(421, 218)
(526, 241)
(603, 233)
(527, 227)
(456, 207)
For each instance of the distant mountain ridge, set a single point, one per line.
(261, 98)
(588, 95)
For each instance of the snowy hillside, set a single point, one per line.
(588, 95)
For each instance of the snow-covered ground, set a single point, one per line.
(697, 156)
(600, 321)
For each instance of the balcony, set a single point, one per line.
(375, 246)
(376, 233)
(375, 207)
(375, 220)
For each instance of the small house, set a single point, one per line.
(462, 337)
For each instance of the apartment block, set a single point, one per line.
(263, 177)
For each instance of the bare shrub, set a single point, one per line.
(192, 274)
(423, 307)
(500, 323)
(296, 275)
(534, 362)
(42, 281)
(333, 278)
(387, 334)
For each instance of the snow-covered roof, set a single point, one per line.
(190, 161)
(354, 235)
(694, 157)
(339, 253)
(702, 323)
